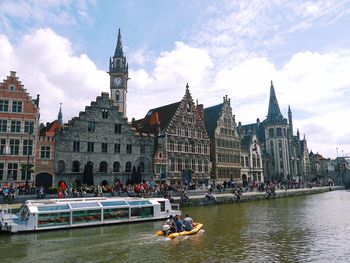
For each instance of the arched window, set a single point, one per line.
(142, 167)
(61, 166)
(75, 167)
(103, 167)
(116, 167)
(128, 167)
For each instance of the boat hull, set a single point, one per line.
(195, 230)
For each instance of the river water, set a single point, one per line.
(314, 228)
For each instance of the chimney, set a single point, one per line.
(200, 111)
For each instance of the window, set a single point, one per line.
(16, 106)
(4, 105)
(117, 147)
(2, 147)
(15, 126)
(193, 165)
(200, 166)
(117, 128)
(28, 127)
(14, 147)
(129, 148)
(172, 164)
(128, 167)
(179, 164)
(45, 152)
(104, 113)
(75, 167)
(271, 132)
(27, 147)
(61, 166)
(142, 149)
(104, 147)
(117, 95)
(11, 88)
(279, 131)
(91, 126)
(1, 171)
(103, 167)
(76, 146)
(90, 148)
(116, 167)
(12, 171)
(3, 125)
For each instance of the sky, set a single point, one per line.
(60, 49)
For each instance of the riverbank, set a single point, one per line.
(197, 198)
(228, 197)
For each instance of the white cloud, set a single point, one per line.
(315, 85)
(166, 82)
(46, 65)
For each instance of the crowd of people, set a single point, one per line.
(152, 189)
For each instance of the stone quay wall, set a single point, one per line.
(226, 198)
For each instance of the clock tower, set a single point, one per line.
(118, 72)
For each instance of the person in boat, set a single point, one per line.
(179, 224)
(188, 223)
(171, 223)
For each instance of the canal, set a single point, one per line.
(313, 228)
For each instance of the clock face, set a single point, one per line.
(118, 81)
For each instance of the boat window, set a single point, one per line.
(53, 219)
(113, 203)
(162, 206)
(142, 212)
(115, 214)
(84, 205)
(138, 202)
(86, 216)
(53, 208)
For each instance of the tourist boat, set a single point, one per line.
(196, 228)
(46, 214)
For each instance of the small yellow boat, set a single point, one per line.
(196, 228)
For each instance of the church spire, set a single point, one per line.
(59, 118)
(290, 120)
(119, 48)
(274, 113)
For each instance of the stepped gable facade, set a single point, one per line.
(19, 119)
(182, 144)
(224, 142)
(100, 145)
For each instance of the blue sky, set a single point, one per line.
(61, 49)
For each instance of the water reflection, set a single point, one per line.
(301, 229)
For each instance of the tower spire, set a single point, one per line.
(274, 113)
(119, 48)
(59, 118)
(290, 120)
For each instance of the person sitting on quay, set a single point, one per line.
(188, 223)
(179, 224)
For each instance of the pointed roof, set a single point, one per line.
(211, 116)
(119, 48)
(165, 114)
(59, 118)
(274, 113)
